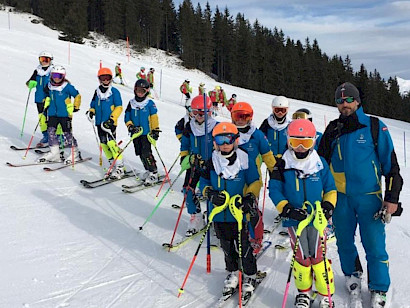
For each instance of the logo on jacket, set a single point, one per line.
(361, 139)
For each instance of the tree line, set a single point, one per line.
(230, 49)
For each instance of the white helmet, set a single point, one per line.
(47, 54)
(59, 71)
(280, 101)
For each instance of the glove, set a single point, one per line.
(291, 212)
(32, 84)
(109, 124)
(248, 203)
(328, 209)
(90, 115)
(196, 161)
(215, 196)
(76, 109)
(155, 134)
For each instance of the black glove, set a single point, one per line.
(155, 134)
(132, 129)
(215, 196)
(196, 161)
(76, 109)
(291, 212)
(90, 114)
(248, 203)
(328, 209)
(109, 124)
(151, 85)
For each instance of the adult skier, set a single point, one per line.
(105, 108)
(300, 176)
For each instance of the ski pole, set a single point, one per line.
(96, 139)
(25, 113)
(238, 215)
(216, 210)
(191, 176)
(302, 225)
(160, 201)
(31, 140)
(154, 143)
(164, 180)
(264, 191)
(320, 223)
(136, 135)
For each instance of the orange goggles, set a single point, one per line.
(44, 59)
(306, 143)
(241, 115)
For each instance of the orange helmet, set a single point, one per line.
(104, 71)
(198, 103)
(224, 128)
(242, 110)
(301, 128)
(225, 133)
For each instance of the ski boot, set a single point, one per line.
(52, 156)
(324, 302)
(196, 223)
(44, 141)
(354, 287)
(303, 300)
(152, 178)
(248, 286)
(119, 171)
(378, 299)
(75, 153)
(230, 284)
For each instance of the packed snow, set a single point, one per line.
(63, 245)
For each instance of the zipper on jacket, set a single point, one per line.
(339, 150)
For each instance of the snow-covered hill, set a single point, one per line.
(63, 245)
(404, 85)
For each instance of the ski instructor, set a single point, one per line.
(359, 150)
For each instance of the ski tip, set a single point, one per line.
(47, 169)
(166, 245)
(140, 228)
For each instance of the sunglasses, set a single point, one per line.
(241, 115)
(105, 77)
(44, 59)
(341, 100)
(57, 75)
(280, 110)
(306, 143)
(225, 139)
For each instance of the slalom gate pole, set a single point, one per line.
(25, 113)
(164, 180)
(320, 223)
(136, 135)
(31, 139)
(264, 191)
(191, 176)
(160, 201)
(215, 211)
(238, 215)
(302, 225)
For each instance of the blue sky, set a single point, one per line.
(375, 33)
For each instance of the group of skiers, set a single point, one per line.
(313, 178)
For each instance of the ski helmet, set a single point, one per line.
(280, 101)
(242, 111)
(141, 85)
(233, 95)
(142, 68)
(301, 134)
(57, 72)
(224, 128)
(302, 113)
(187, 80)
(197, 103)
(45, 56)
(301, 128)
(105, 76)
(225, 133)
(152, 69)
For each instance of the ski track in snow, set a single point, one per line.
(65, 246)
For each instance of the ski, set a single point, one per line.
(142, 186)
(38, 151)
(13, 147)
(105, 181)
(32, 164)
(185, 240)
(65, 166)
(175, 206)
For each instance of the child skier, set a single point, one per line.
(231, 102)
(226, 176)
(39, 80)
(201, 89)
(106, 107)
(193, 145)
(60, 108)
(180, 126)
(186, 89)
(302, 176)
(118, 72)
(141, 113)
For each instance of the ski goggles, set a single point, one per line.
(341, 100)
(300, 115)
(241, 115)
(225, 139)
(199, 112)
(306, 143)
(44, 59)
(280, 109)
(105, 77)
(57, 75)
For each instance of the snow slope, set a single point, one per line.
(63, 245)
(404, 85)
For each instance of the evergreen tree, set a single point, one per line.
(186, 27)
(74, 25)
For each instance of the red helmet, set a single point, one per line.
(301, 128)
(197, 103)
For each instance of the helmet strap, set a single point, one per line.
(244, 129)
(230, 156)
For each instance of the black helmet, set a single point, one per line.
(234, 95)
(302, 113)
(141, 83)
